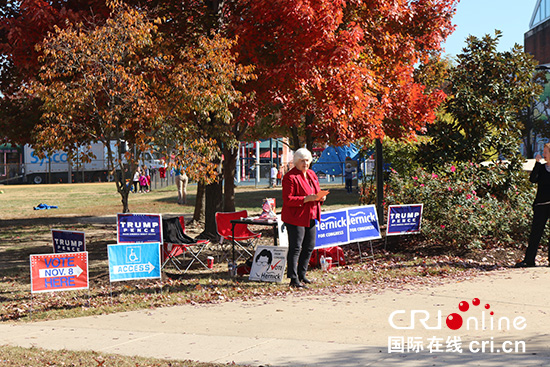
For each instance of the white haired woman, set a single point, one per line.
(301, 208)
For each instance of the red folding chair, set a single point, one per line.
(242, 237)
(178, 244)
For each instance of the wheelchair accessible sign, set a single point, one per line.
(134, 261)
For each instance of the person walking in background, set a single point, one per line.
(147, 173)
(279, 176)
(348, 175)
(541, 207)
(135, 180)
(301, 208)
(181, 184)
(273, 175)
(142, 182)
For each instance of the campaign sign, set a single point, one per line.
(282, 232)
(363, 224)
(269, 264)
(404, 219)
(134, 261)
(344, 226)
(68, 241)
(332, 229)
(59, 272)
(133, 228)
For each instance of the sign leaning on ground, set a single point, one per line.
(132, 228)
(68, 241)
(269, 264)
(131, 261)
(404, 219)
(340, 227)
(59, 272)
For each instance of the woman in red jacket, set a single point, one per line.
(301, 208)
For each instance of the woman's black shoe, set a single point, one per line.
(523, 264)
(297, 284)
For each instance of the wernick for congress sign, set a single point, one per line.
(132, 228)
(340, 227)
(59, 272)
(404, 219)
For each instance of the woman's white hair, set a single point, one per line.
(302, 153)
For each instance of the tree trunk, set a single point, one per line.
(213, 204)
(295, 138)
(229, 166)
(198, 215)
(309, 137)
(122, 188)
(125, 208)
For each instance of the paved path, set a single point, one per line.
(334, 330)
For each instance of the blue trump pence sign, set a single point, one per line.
(68, 241)
(134, 261)
(404, 219)
(132, 228)
(340, 227)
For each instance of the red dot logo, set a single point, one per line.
(454, 321)
(463, 306)
(487, 306)
(476, 302)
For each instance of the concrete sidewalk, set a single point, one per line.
(329, 330)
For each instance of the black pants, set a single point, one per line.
(540, 217)
(349, 185)
(301, 242)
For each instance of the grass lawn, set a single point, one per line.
(24, 231)
(93, 199)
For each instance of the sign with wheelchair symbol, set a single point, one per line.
(134, 261)
(133, 254)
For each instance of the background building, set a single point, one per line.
(537, 39)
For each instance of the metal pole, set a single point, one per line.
(257, 163)
(379, 182)
(238, 168)
(270, 159)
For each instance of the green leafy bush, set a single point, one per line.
(468, 205)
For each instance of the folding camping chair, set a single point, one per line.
(177, 243)
(244, 238)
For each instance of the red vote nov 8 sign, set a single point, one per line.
(59, 272)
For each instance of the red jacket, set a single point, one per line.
(295, 188)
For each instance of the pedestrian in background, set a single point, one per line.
(181, 183)
(135, 179)
(147, 174)
(273, 174)
(541, 207)
(348, 175)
